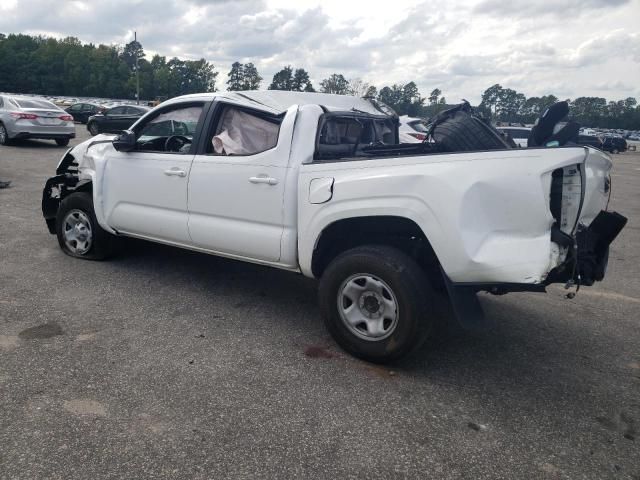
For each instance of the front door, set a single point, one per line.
(236, 187)
(145, 190)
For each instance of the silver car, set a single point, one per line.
(30, 117)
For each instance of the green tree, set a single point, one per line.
(491, 98)
(283, 80)
(131, 51)
(433, 96)
(301, 81)
(235, 76)
(336, 84)
(251, 79)
(589, 111)
(372, 92)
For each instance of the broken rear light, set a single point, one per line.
(566, 197)
(23, 116)
(419, 136)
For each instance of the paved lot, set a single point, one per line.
(170, 364)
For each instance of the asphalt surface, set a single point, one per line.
(168, 364)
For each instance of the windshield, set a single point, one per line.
(34, 103)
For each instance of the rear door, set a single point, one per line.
(85, 113)
(237, 183)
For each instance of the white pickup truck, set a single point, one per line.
(318, 184)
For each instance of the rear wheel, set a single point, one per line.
(77, 229)
(377, 303)
(94, 129)
(62, 142)
(615, 150)
(4, 135)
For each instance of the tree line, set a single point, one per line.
(43, 65)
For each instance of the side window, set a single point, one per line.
(117, 111)
(170, 130)
(86, 107)
(244, 132)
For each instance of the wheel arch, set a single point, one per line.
(397, 231)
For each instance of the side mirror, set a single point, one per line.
(125, 142)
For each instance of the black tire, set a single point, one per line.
(409, 286)
(102, 243)
(62, 142)
(93, 128)
(4, 136)
(464, 132)
(615, 151)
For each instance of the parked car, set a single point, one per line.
(116, 119)
(412, 130)
(319, 184)
(614, 144)
(82, 111)
(519, 135)
(28, 117)
(590, 140)
(607, 144)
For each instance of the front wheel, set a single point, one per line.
(62, 142)
(79, 234)
(377, 303)
(615, 151)
(94, 129)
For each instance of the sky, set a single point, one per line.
(568, 48)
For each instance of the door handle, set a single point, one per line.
(175, 172)
(264, 179)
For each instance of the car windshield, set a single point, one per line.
(34, 103)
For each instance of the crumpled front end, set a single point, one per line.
(71, 176)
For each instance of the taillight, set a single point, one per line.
(23, 116)
(66, 118)
(419, 136)
(566, 197)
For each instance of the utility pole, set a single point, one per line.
(135, 39)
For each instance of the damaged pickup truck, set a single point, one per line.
(319, 184)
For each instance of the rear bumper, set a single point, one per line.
(44, 135)
(589, 253)
(21, 129)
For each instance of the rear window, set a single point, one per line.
(345, 135)
(34, 103)
(516, 133)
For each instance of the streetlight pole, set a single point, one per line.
(135, 39)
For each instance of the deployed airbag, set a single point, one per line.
(244, 134)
